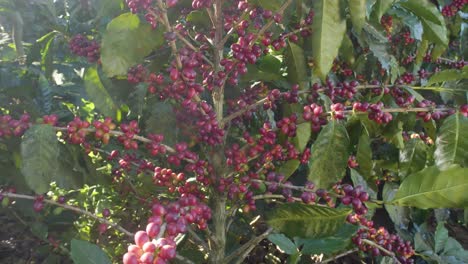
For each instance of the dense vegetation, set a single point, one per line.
(240, 131)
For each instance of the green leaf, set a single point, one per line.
(431, 18)
(364, 154)
(347, 50)
(308, 221)
(452, 142)
(417, 96)
(410, 20)
(393, 132)
(295, 61)
(289, 167)
(199, 18)
(399, 215)
(329, 156)
(329, 28)
(119, 48)
(412, 157)
(357, 10)
(40, 230)
(380, 8)
(303, 132)
(328, 245)
(448, 75)
(270, 63)
(433, 188)
(83, 252)
(421, 52)
(357, 179)
(284, 243)
(98, 94)
(453, 249)
(44, 161)
(440, 237)
(161, 120)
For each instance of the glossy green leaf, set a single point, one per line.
(47, 54)
(284, 243)
(452, 142)
(448, 75)
(44, 161)
(295, 61)
(399, 215)
(364, 154)
(83, 252)
(328, 245)
(380, 8)
(440, 237)
(412, 157)
(119, 50)
(307, 221)
(358, 179)
(329, 27)
(410, 20)
(329, 156)
(269, 63)
(433, 188)
(432, 20)
(357, 10)
(289, 167)
(199, 18)
(421, 52)
(303, 132)
(98, 94)
(347, 50)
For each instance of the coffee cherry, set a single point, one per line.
(141, 237)
(130, 258)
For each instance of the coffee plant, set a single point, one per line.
(235, 131)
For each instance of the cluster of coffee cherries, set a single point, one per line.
(50, 119)
(287, 125)
(451, 9)
(168, 178)
(432, 115)
(129, 131)
(355, 196)
(139, 5)
(156, 244)
(249, 95)
(342, 68)
(38, 204)
(314, 114)
(136, 74)
(403, 38)
(374, 112)
(82, 46)
(13, 127)
(387, 22)
(77, 130)
(402, 97)
(402, 250)
(464, 110)
(103, 128)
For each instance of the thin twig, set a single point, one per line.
(338, 256)
(268, 25)
(71, 208)
(198, 239)
(243, 251)
(389, 253)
